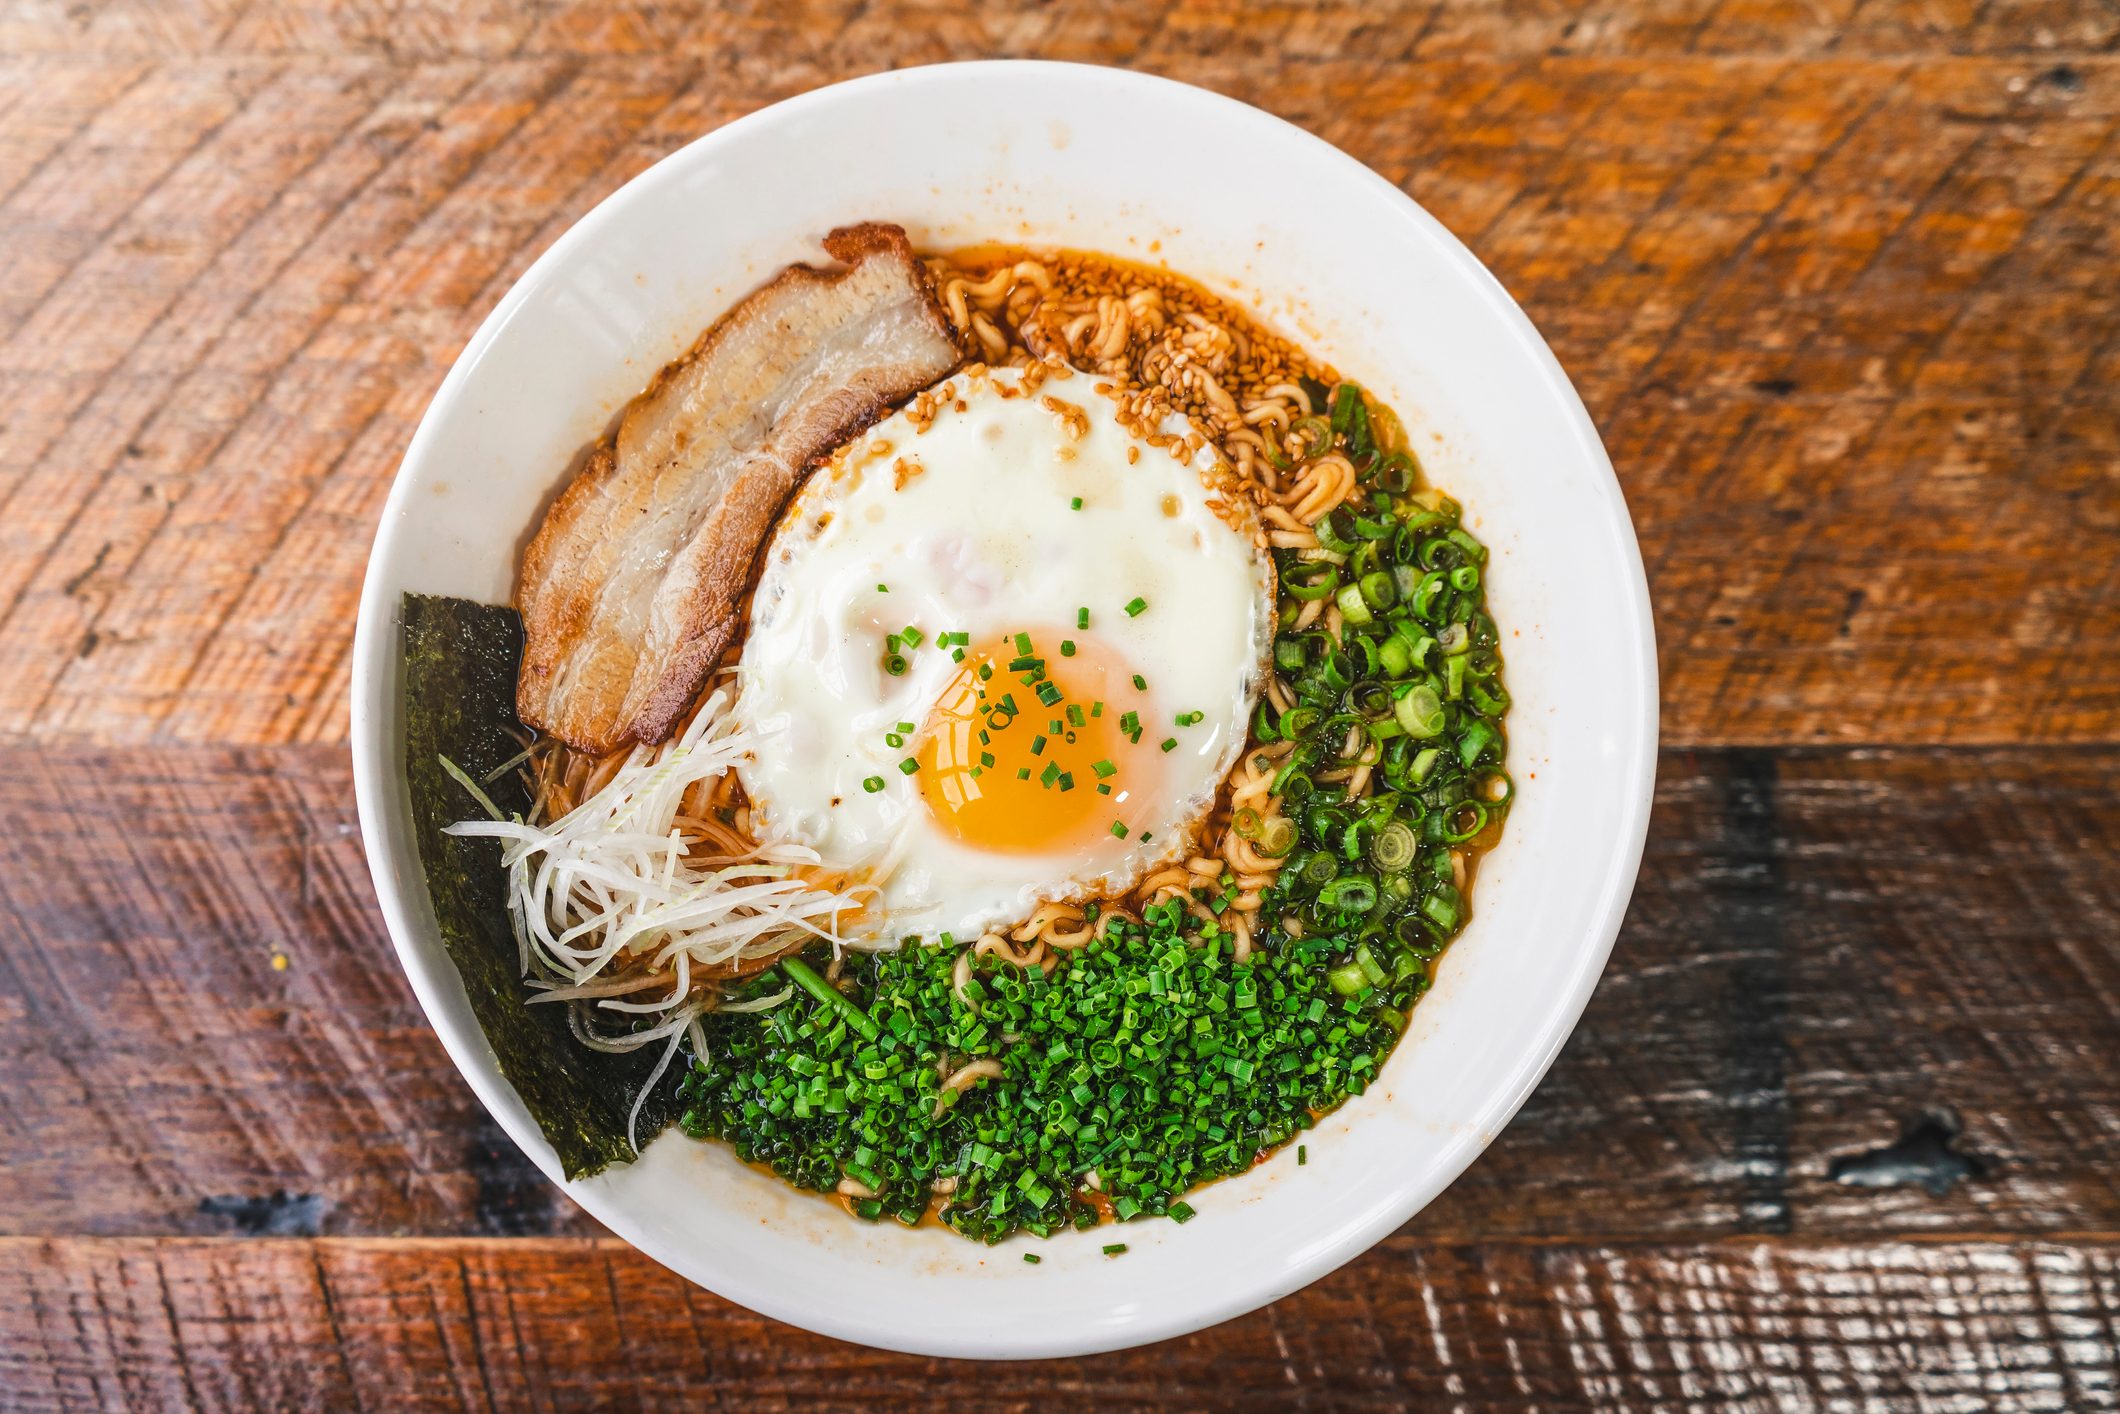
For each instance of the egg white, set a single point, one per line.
(968, 525)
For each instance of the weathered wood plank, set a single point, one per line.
(1825, 948)
(88, 1324)
(1154, 33)
(1844, 324)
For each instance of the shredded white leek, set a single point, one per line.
(613, 909)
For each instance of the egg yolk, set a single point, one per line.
(1031, 751)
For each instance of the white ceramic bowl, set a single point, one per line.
(1100, 159)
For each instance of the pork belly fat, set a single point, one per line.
(629, 590)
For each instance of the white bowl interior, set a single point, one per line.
(1068, 156)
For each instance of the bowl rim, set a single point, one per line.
(375, 766)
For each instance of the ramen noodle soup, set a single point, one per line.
(1005, 739)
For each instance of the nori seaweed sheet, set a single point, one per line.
(460, 666)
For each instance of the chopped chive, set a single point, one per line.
(1114, 1249)
(893, 739)
(956, 655)
(1023, 643)
(1130, 723)
(1067, 780)
(1302, 1154)
(1134, 606)
(883, 589)
(872, 784)
(1048, 694)
(1081, 618)
(1186, 719)
(1075, 718)
(1105, 769)
(909, 765)
(986, 758)
(892, 643)
(1096, 709)
(895, 665)
(1140, 683)
(1033, 1258)
(1050, 774)
(1119, 829)
(1103, 789)
(913, 637)
(1023, 773)
(1170, 743)
(1037, 746)
(1075, 504)
(1067, 647)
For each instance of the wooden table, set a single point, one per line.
(1839, 281)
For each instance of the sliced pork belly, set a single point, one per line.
(629, 590)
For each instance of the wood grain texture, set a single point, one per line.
(1836, 279)
(564, 1323)
(1824, 948)
(1133, 32)
(1847, 325)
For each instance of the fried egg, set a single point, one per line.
(1002, 656)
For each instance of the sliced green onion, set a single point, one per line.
(1445, 908)
(1335, 531)
(1320, 869)
(1348, 980)
(1353, 893)
(1394, 473)
(1394, 847)
(1420, 712)
(1310, 579)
